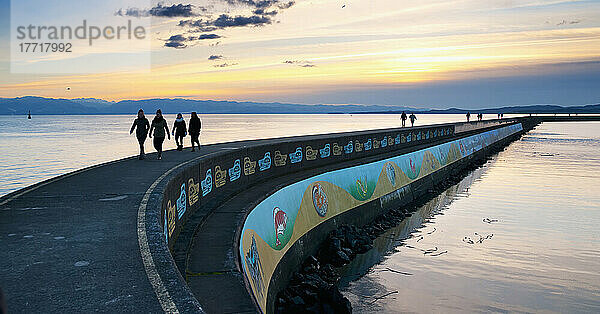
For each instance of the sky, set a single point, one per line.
(424, 54)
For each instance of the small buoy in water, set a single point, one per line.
(29, 115)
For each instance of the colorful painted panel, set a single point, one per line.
(286, 215)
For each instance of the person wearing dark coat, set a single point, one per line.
(141, 127)
(160, 128)
(403, 117)
(412, 118)
(194, 129)
(179, 130)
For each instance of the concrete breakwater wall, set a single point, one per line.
(195, 190)
(284, 217)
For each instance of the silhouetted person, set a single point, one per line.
(403, 117)
(501, 116)
(498, 116)
(160, 128)
(468, 116)
(180, 131)
(412, 118)
(141, 127)
(194, 129)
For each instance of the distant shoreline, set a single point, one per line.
(309, 113)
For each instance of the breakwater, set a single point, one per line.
(381, 168)
(287, 215)
(180, 230)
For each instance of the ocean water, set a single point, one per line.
(532, 214)
(47, 146)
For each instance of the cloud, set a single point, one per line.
(176, 41)
(176, 10)
(287, 5)
(180, 41)
(225, 21)
(215, 57)
(205, 36)
(135, 12)
(253, 3)
(224, 65)
(300, 63)
(563, 22)
(262, 11)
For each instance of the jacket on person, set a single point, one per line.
(179, 127)
(141, 127)
(160, 126)
(195, 126)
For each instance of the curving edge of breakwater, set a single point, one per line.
(271, 236)
(286, 216)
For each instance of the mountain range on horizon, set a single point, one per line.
(82, 106)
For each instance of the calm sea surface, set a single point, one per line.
(47, 146)
(540, 251)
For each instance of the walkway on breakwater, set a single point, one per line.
(72, 243)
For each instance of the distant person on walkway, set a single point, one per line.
(160, 128)
(481, 117)
(195, 126)
(403, 117)
(412, 118)
(468, 116)
(498, 116)
(180, 131)
(501, 116)
(141, 126)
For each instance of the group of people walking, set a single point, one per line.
(159, 130)
(479, 116)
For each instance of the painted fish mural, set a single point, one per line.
(235, 172)
(348, 148)
(319, 199)
(265, 162)
(296, 156)
(280, 221)
(207, 183)
(325, 151)
(391, 173)
(280, 159)
(255, 270)
(181, 202)
(368, 145)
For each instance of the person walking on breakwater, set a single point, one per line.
(194, 130)
(141, 126)
(403, 118)
(180, 131)
(468, 116)
(160, 128)
(412, 118)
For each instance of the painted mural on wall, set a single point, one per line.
(286, 215)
